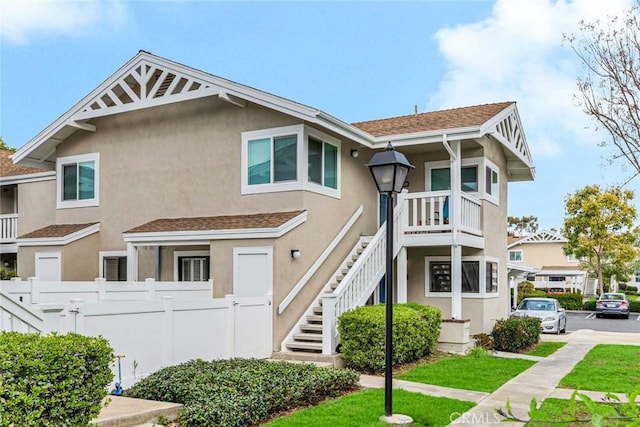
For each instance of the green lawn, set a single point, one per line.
(364, 408)
(614, 368)
(544, 349)
(467, 372)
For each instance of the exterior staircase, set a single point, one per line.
(308, 338)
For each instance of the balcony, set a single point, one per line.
(8, 228)
(426, 219)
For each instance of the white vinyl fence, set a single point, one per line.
(151, 324)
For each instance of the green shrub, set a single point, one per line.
(634, 306)
(241, 392)
(569, 301)
(7, 274)
(416, 329)
(53, 380)
(516, 333)
(631, 288)
(484, 341)
(589, 305)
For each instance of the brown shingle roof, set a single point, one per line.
(436, 120)
(8, 168)
(56, 230)
(226, 222)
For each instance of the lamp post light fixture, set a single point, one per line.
(389, 169)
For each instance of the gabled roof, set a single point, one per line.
(58, 234)
(147, 80)
(543, 236)
(8, 168)
(249, 226)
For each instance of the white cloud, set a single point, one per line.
(22, 20)
(517, 54)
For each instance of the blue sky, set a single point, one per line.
(355, 60)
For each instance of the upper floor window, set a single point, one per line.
(77, 178)
(515, 255)
(438, 177)
(273, 160)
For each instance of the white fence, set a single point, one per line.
(152, 329)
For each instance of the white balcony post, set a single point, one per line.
(329, 323)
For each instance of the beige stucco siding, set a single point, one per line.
(36, 205)
(544, 254)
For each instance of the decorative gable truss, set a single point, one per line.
(507, 129)
(543, 236)
(147, 84)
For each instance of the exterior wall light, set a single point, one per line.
(295, 253)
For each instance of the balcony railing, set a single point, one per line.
(8, 228)
(429, 212)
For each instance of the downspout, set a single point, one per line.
(157, 263)
(454, 220)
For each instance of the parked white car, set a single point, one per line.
(548, 310)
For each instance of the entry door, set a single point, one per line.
(48, 266)
(253, 314)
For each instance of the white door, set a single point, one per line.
(49, 266)
(253, 314)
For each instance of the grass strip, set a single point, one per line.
(607, 367)
(466, 372)
(364, 408)
(546, 348)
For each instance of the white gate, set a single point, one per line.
(253, 313)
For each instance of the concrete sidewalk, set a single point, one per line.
(541, 380)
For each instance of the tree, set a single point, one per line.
(4, 146)
(610, 90)
(518, 226)
(599, 226)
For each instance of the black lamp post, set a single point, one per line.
(389, 169)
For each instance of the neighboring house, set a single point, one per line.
(539, 258)
(171, 173)
(13, 179)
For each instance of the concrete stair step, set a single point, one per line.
(308, 337)
(311, 327)
(305, 346)
(314, 319)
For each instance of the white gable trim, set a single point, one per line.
(33, 177)
(543, 236)
(60, 241)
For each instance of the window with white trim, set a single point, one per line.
(113, 266)
(274, 160)
(193, 269)
(479, 276)
(78, 179)
(438, 177)
(516, 255)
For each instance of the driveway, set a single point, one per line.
(587, 320)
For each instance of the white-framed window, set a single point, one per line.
(492, 184)
(516, 255)
(78, 181)
(479, 276)
(290, 158)
(113, 266)
(478, 176)
(191, 266)
(572, 258)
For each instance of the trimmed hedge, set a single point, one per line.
(52, 380)
(241, 392)
(416, 330)
(516, 333)
(568, 301)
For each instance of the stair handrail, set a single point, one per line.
(360, 281)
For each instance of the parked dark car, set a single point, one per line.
(612, 303)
